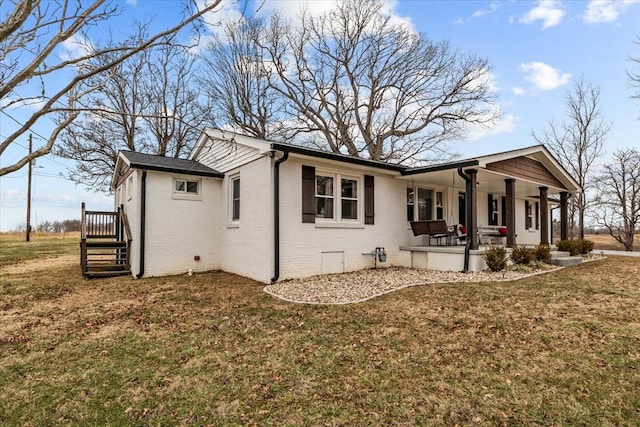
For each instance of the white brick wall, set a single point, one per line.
(302, 244)
(247, 247)
(177, 230)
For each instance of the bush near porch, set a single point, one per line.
(212, 349)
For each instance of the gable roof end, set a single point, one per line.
(162, 164)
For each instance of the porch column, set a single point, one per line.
(544, 215)
(564, 216)
(510, 184)
(472, 208)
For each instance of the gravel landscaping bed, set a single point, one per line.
(362, 285)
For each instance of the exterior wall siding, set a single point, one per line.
(524, 167)
(224, 156)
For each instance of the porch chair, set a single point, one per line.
(437, 229)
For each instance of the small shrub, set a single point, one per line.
(586, 246)
(542, 252)
(574, 247)
(495, 257)
(521, 255)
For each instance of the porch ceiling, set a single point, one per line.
(488, 182)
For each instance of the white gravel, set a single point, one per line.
(362, 285)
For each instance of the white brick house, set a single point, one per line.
(273, 211)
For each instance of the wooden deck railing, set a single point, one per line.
(105, 226)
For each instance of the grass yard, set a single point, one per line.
(212, 349)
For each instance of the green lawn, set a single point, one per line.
(212, 349)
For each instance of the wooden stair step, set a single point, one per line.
(91, 274)
(98, 244)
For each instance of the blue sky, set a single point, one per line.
(536, 50)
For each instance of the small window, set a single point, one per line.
(337, 197)
(493, 210)
(349, 192)
(235, 198)
(410, 203)
(425, 204)
(528, 212)
(439, 205)
(324, 196)
(129, 187)
(183, 186)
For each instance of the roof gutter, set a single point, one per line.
(467, 246)
(276, 216)
(143, 211)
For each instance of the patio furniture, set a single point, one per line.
(491, 234)
(437, 229)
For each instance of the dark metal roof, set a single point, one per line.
(169, 164)
(281, 146)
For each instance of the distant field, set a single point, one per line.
(562, 348)
(605, 241)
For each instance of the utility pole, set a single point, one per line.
(29, 191)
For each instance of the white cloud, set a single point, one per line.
(517, 90)
(550, 12)
(12, 198)
(543, 76)
(505, 124)
(75, 47)
(292, 9)
(492, 8)
(602, 11)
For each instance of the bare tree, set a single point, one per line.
(176, 112)
(235, 77)
(618, 196)
(353, 81)
(32, 32)
(148, 103)
(109, 118)
(578, 141)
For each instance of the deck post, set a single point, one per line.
(510, 190)
(564, 217)
(472, 208)
(544, 215)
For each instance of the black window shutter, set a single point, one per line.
(504, 211)
(527, 219)
(490, 208)
(537, 216)
(308, 194)
(369, 199)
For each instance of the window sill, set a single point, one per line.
(333, 224)
(233, 225)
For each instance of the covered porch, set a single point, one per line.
(505, 198)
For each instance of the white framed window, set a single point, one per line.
(324, 196)
(528, 215)
(129, 187)
(338, 197)
(234, 198)
(184, 186)
(424, 204)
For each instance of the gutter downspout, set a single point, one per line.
(467, 246)
(143, 210)
(276, 216)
